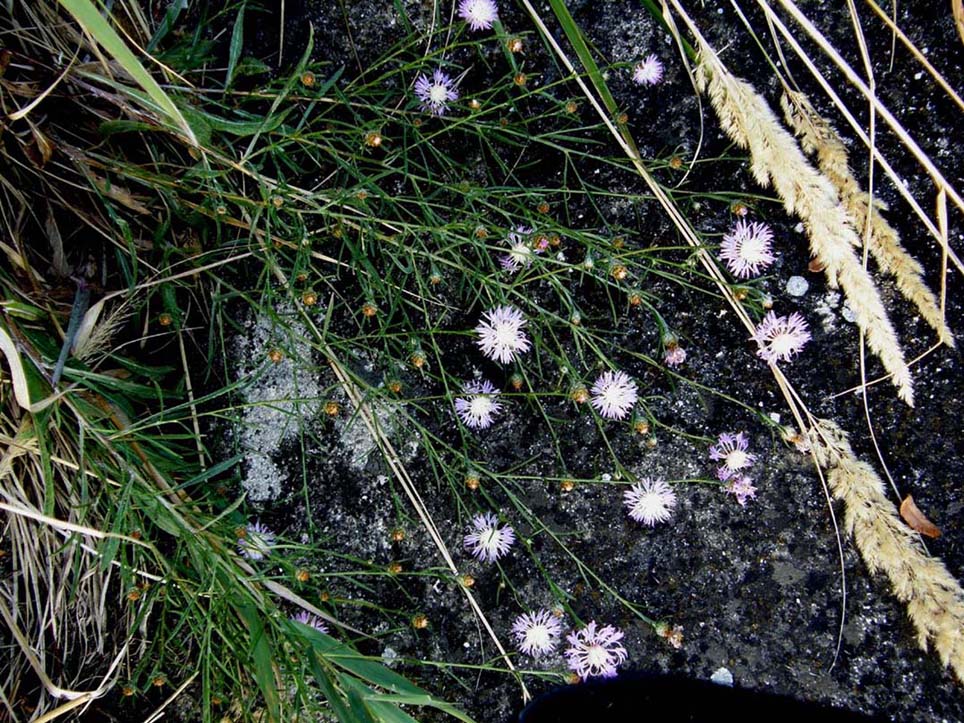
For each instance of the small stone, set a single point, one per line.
(847, 313)
(389, 657)
(797, 286)
(722, 676)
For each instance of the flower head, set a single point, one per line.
(479, 407)
(486, 540)
(537, 633)
(479, 14)
(521, 249)
(780, 337)
(674, 356)
(741, 487)
(650, 501)
(257, 541)
(649, 71)
(747, 249)
(312, 621)
(614, 394)
(500, 334)
(594, 652)
(436, 93)
(731, 449)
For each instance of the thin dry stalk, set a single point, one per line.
(918, 55)
(818, 137)
(777, 160)
(957, 9)
(59, 591)
(854, 79)
(934, 599)
(858, 130)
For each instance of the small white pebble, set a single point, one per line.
(797, 286)
(847, 313)
(722, 676)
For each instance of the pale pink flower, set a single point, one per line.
(614, 394)
(312, 621)
(479, 14)
(479, 407)
(674, 356)
(595, 653)
(741, 487)
(436, 93)
(520, 249)
(781, 337)
(500, 334)
(257, 541)
(650, 501)
(487, 541)
(537, 633)
(747, 249)
(649, 71)
(731, 449)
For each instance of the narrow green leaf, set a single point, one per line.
(167, 23)
(237, 41)
(368, 670)
(334, 698)
(261, 655)
(94, 24)
(383, 704)
(356, 692)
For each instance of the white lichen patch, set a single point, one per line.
(279, 397)
(355, 436)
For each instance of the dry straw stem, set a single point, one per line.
(935, 600)
(957, 8)
(777, 159)
(858, 130)
(857, 82)
(818, 137)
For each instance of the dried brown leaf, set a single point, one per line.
(916, 519)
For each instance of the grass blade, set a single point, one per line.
(95, 25)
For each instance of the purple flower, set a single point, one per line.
(312, 621)
(537, 633)
(479, 14)
(675, 355)
(594, 652)
(480, 406)
(747, 249)
(520, 249)
(256, 542)
(614, 394)
(780, 337)
(486, 540)
(731, 449)
(436, 93)
(649, 71)
(741, 487)
(500, 334)
(650, 501)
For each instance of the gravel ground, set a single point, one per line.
(760, 590)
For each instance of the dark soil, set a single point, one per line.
(758, 590)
